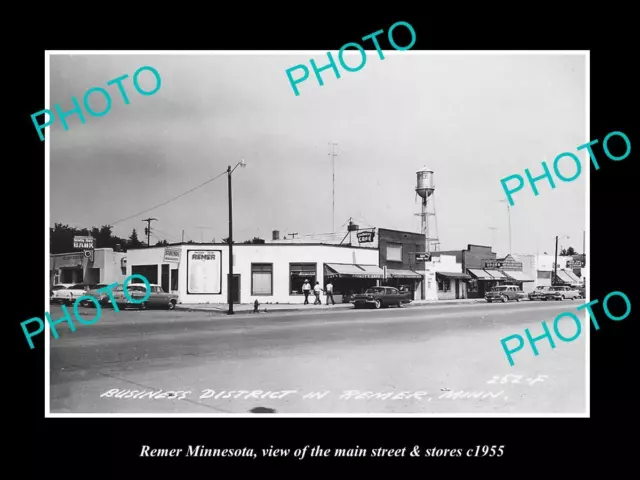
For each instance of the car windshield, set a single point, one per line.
(137, 288)
(498, 289)
(99, 286)
(556, 289)
(77, 286)
(375, 290)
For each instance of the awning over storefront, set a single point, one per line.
(572, 275)
(479, 274)
(341, 270)
(391, 273)
(496, 274)
(454, 275)
(564, 277)
(518, 276)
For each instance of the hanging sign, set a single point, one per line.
(423, 257)
(493, 264)
(172, 255)
(365, 236)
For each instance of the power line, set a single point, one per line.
(168, 201)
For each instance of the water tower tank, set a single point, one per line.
(425, 185)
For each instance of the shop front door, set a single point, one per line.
(235, 288)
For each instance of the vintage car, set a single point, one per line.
(158, 298)
(562, 292)
(539, 292)
(66, 296)
(502, 293)
(378, 297)
(93, 291)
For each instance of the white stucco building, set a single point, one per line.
(270, 273)
(107, 267)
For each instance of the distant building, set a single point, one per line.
(107, 267)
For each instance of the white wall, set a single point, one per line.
(246, 254)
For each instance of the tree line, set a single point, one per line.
(61, 238)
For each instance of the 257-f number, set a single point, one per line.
(484, 450)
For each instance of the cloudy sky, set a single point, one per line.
(473, 119)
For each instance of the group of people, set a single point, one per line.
(317, 290)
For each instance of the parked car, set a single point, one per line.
(158, 298)
(503, 293)
(378, 297)
(539, 292)
(562, 292)
(583, 291)
(93, 291)
(66, 296)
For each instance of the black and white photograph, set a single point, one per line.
(235, 233)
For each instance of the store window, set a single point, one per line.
(543, 274)
(261, 279)
(440, 285)
(150, 272)
(298, 272)
(174, 279)
(447, 285)
(472, 286)
(394, 252)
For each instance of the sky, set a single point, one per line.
(472, 119)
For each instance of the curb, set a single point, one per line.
(196, 308)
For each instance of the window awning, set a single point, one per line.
(454, 275)
(498, 275)
(403, 274)
(354, 271)
(562, 275)
(518, 276)
(479, 274)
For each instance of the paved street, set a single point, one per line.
(444, 359)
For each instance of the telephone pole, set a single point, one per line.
(333, 197)
(148, 229)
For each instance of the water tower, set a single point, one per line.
(425, 187)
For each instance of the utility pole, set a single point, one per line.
(230, 278)
(182, 236)
(555, 265)
(509, 215)
(148, 230)
(333, 197)
(293, 235)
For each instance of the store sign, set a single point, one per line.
(366, 236)
(172, 255)
(493, 264)
(423, 257)
(575, 264)
(204, 272)
(83, 242)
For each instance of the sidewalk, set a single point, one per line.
(293, 307)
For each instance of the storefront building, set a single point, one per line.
(512, 271)
(397, 257)
(107, 267)
(564, 274)
(270, 273)
(452, 282)
(474, 260)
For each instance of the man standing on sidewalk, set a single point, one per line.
(306, 289)
(317, 291)
(329, 292)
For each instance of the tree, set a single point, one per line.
(254, 240)
(61, 238)
(133, 241)
(162, 243)
(226, 240)
(568, 252)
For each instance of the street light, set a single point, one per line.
(230, 170)
(555, 264)
(509, 215)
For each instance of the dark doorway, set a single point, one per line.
(165, 278)
(235, 288)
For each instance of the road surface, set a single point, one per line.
(425, 359)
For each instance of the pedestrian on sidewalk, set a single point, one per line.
(317, 289)
(329, 292)
(306, 289)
